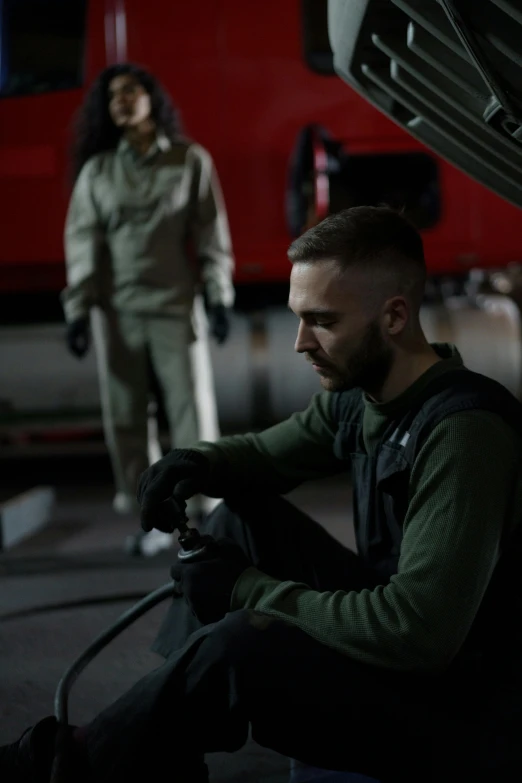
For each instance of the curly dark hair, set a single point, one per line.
(94, 129)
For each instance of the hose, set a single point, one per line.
(63, 766)
(191, 546)
(190, 541)
(127, 618)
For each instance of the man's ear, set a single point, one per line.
(396, 315)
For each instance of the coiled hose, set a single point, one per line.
(61, 771)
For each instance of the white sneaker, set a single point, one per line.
(149, 544)
(155, 542)
(123, 504)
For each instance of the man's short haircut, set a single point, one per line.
(378, 239)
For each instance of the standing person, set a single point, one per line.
(146, 230)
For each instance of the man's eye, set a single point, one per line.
(324, 324)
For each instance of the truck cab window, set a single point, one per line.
(317, 51)
(41, 45)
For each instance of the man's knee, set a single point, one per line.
(239, 511)
(226, 520)
(220, 522)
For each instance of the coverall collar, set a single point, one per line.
(161, 144)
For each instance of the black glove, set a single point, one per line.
(179, 475)
(219, 322)
(207, 583)
(78, 337)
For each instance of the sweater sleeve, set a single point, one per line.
(279, 458)
(462, 491)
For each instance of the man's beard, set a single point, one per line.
(367, 368)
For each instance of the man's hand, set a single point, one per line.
(179, 475)
(207, 583)
(219, 323)
(78, 337)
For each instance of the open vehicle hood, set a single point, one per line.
(448, 71)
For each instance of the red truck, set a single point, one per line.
(258, 85)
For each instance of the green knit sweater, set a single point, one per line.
(465, 487)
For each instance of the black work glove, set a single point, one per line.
(219, 322)
(78, 337)
(207, 583)
(167, 484)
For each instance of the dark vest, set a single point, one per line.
(381, 481)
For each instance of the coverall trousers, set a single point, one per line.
(297, 696)
(127, 344)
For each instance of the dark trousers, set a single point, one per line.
(297, 696)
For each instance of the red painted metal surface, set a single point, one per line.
(237, 72)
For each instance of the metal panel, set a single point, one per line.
(447, 71)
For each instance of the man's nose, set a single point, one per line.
(305, 341)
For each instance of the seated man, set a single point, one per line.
(400, 662)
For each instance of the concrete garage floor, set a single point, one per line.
(79, 555)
